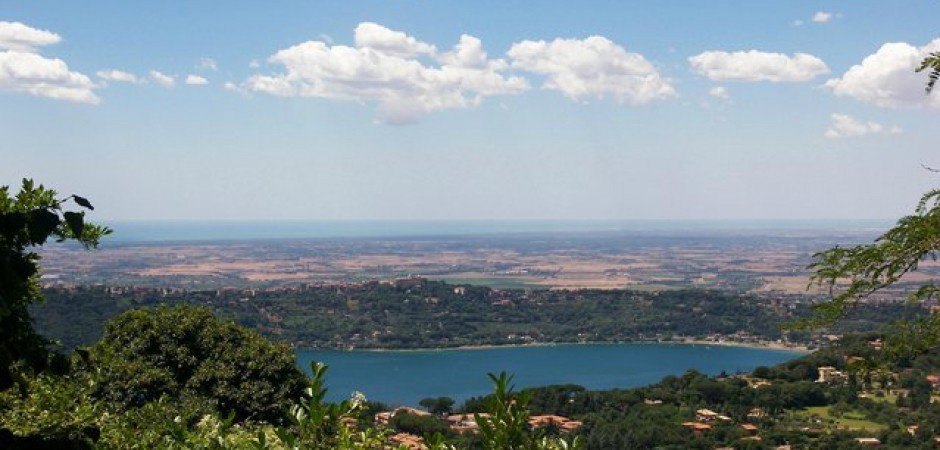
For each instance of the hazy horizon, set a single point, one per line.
(189, 231)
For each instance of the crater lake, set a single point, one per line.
(407, 376)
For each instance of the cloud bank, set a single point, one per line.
(406, 78)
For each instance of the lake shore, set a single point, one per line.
(801, 349)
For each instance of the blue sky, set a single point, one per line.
(198, 110)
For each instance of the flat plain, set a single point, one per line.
(757, 261)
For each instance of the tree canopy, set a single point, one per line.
(182, 350)
(27, 221)
(856, 273)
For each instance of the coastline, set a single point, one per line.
(758, 345)
(796, 349)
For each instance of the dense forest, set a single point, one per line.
(418, 313)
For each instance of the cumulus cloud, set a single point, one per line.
(20, 37)
(822, 17)
(755, 65)
(846, 126)
(593, 67)
(196, 80)
(162, 79)
(118, 76)
(389, 42)
(404, 77)
(23, 69)
(719, 92)
(886, 78)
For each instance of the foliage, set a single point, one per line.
(425, 426)
(433, 315)
(853, 274)
(183, 350)
(28, 220)
(317, 424)
(438, 405)
(56, 408)
(507, 426)
(932, 62)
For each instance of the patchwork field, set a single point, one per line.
(766, 262)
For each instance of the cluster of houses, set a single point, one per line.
(466, 423)
(704, 418)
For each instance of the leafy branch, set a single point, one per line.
(931, 62)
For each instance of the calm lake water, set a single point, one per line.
(405, 377)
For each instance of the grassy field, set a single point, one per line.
(493, 282)
(652, 287)
(851, 420)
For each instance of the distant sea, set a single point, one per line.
(405, 377)
(162, 232)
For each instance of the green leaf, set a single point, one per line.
(76, 222)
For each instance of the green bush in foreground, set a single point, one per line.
(184, 351)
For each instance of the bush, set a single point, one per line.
(181, 351)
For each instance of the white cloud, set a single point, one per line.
(755, 65)
(45, 77)
(886, 78)
(389, 42)
(20, 37)
(118, 76)
(592, 67)
(162, 79)
(207, 64)
(384, 68)
(797, 23)
(719, 92)
(22, 69)
(254, 64)
(845, 126)
(822, 17)
(196, 80)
